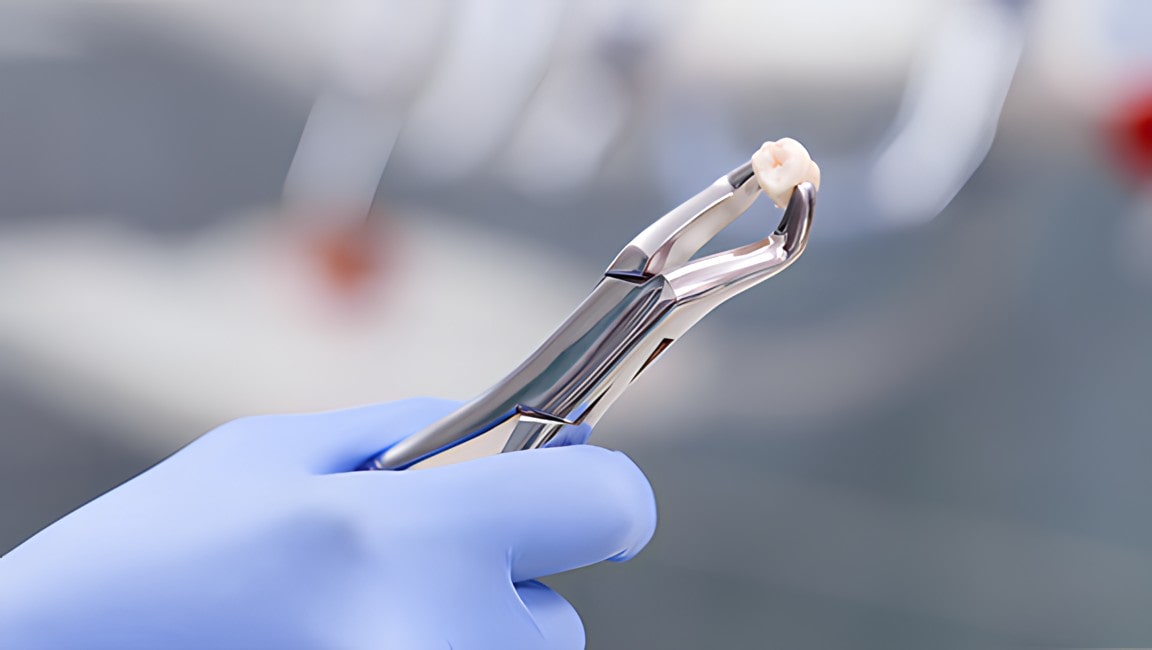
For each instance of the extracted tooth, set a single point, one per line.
(782, 165)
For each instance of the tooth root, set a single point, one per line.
(782, 165)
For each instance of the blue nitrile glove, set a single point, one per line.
(258, 535)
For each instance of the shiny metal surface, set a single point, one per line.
(652, 293)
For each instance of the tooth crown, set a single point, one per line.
(782, 165)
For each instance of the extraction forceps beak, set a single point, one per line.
(667, 246)
(651, 294)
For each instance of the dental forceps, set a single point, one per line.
(651, 294)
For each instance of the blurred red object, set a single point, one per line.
(351, 256)
(1130, 134)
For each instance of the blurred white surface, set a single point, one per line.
(170, 340)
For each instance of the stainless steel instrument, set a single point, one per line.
(651, 294)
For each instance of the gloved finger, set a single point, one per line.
(559, 624)
(546, 510)
(340, 441)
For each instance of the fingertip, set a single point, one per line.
(643, 507)
(618, 487)
(555, 509)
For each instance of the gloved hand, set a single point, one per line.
(259, 535)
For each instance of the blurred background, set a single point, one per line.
(932, 432)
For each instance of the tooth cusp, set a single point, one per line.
(782, 165)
